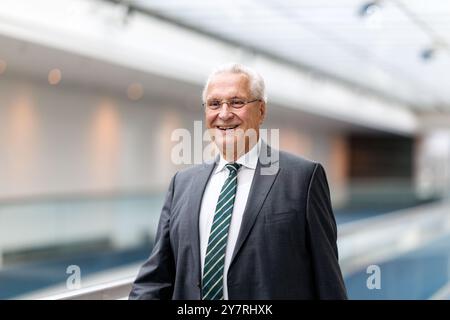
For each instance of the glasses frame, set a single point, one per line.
(205, 105)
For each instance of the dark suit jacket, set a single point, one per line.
(286, 248)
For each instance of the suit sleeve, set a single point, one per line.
(155, 279)
(322, 237)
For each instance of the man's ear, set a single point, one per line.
(262, 110)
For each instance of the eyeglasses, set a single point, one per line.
(233, 103)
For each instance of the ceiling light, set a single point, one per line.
(428, 53)
(369, 9)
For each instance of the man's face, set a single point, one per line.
(228, 126)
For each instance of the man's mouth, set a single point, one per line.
(227, 128)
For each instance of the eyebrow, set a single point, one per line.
(234, 97)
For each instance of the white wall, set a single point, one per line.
(63, 139)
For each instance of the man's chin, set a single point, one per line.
(225, 142)
(230, 148)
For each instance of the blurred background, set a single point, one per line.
(91, 91)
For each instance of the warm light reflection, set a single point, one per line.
(169, 122)
(2, 66)
(293, 141)
(104, 141)
(135, 91)
(21, 141)
(54, 76)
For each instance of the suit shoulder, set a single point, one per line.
(301, 168)
(192, 171)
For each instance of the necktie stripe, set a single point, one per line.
(226, 185)
(220, 222)
(217, 295)
(215, 256)
(228, 200)
(207, 279)
(213, 277)
(215, 285)
(211, 265)
(214, 237)
(232, 189)
(213, 269)
(213, 247)
(220, 216)
(218, 231)
(219, 234)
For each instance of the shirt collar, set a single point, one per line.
(248, 160)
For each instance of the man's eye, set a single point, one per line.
(238, 103)
(214, 103)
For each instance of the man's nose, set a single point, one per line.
(225, 112)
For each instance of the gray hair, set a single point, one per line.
(257, 86)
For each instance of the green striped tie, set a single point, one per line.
(212, 288)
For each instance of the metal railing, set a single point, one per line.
(114, 290)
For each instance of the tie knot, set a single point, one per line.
(233, 167)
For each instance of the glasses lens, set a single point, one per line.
(237, 103)
(213, 104)
(234, 103)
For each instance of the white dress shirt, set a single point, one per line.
(209, 201)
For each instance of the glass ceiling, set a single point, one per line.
(381, 50)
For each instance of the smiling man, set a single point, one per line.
(229, 231)
(235, 127)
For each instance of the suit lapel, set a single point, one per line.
(198, 187)
(261, 185)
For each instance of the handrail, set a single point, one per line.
(114, 290)
(377, 239)
(442, 294)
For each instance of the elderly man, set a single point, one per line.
(229, 231)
